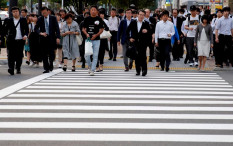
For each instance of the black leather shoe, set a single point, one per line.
(130, 65)
(11, 71)
(64, 68)
(167, 69)
(137, 74)
(18, 71)
(83, 66)
(46, 71)
(114, 59)
(126, 69)
(144, 73)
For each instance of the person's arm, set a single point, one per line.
(57, 28)
(119, 33)
(211, 37)
(77, 31)
(172, 30)
(196, 35)
(218, 25)
(177, 34)
(156, 34)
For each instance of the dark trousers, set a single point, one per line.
(176, 50)
(82, 52)
(181, 47)
(48, 52)
(103, 46)
(113, 45)
(15, 53)
(165, 49)
(225, 49)
(190, 50)
(152, 50)
(141, 59)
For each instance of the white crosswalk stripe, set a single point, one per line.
(114, 106)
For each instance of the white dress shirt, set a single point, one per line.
(214, 23)
(224, 25)
(175, 20)
(163, 29)
(139, 24)
(18, 30)
(113, 23)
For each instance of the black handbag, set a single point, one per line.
(131, 50)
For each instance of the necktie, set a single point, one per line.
(46, 25)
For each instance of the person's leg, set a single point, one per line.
(189, 47)
(96, 47)
(221, 48)
(115, 45)
(204, 62)
(167, 53)
(110, 49)
(138, 64)
(19, 54)
(124, 46)
(229, 49)
(162, 53)
(144, 61)
(28, 56)
(152, 51)
(175, 51)
(60, 55)
(11, 57)
(200, 62)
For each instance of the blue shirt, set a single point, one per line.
(224, 25)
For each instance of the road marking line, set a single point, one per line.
(6, 91)
(111, 108)
(126, 92)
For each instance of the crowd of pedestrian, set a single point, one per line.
(89, 35)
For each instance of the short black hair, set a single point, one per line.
(62, 10)
(181, 10)
(175, 10)
(198, 10)
(219, 10)
(44, 8)
(113, 9)
(141, 11)
(120, 11)
(128, 10)
(85, 8)
(71, 12)
(134, 11)
(69, 16)
(165, 12)
(226, 9)
(205, 17)
(14, 8)
(94, 6)
(25, 10)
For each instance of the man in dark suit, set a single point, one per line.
(0, 33)
(139, 33)
(177, 21)
(48, 29)
(121, 36)
(16, 31)
(152, 23)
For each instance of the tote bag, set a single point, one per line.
(88, 47)
(105, 35)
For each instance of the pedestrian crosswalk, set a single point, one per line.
(116, 106)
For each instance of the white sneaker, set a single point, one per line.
(196, 64)
(92, 73)
(59, 66)
(191, 64)
(89, 71)
(33, 64)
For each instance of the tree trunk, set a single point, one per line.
(80, 7)
(39, 7)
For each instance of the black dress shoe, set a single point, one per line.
(130, 65)
(46, 71)
(18, 71)
(126, 69)
(83, 65)
(137, 74)
(64, 68)
(144, 73)
(11, 71)
(167, 69)
(27, 62)
(114, 59)
(178, 59)
(185, 61)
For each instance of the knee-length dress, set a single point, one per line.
(70, 44)
(203, 45)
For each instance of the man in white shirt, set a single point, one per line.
(114, 23)
(191, 24)
(216, 48)
(223, 36)
(163, 33)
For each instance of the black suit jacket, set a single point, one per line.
(54, 32)
(80, 19)
(141, 39)
(178, 24)
(9, 29)
(1, 29)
